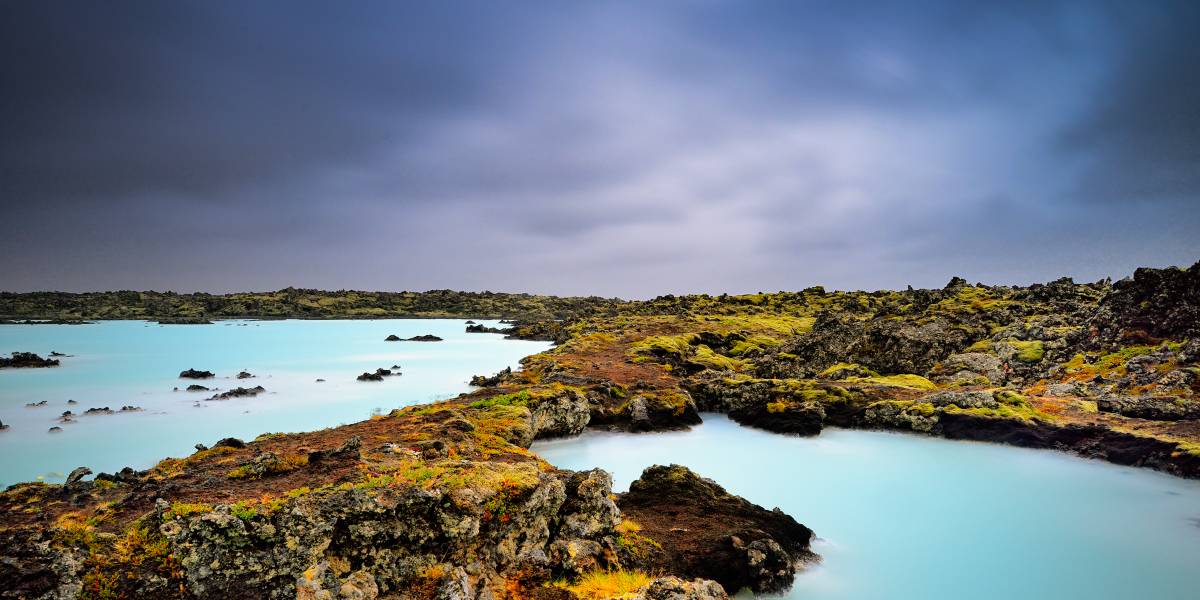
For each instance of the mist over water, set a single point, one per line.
(119, 363)
(904, 516)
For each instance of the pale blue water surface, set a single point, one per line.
(117, 363)
(904, 517)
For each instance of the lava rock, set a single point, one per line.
(197, 388)
(485, 329)
(424, 338)
(706, 532)
(194, 374)
(239, 392)
(77, 475)
(244, 375)
(27, 360)
(481, 381)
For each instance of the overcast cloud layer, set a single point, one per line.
(607, 148)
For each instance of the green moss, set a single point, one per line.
(856, 368)
(1010, 397)
(705, 356)
(1029, 352)
(184, 510)
(281, 464)
(906, 380)
(665, 344)
(519, 398)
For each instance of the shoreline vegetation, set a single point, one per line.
(445, 500)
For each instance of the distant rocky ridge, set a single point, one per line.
(172, 308)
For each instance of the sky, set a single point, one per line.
(612, 148)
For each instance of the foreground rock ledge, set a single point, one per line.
(435, 501)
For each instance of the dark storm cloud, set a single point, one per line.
(1144, 131)
(583, 147)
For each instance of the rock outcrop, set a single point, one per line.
(194, 374)
(27, 360)
(704, 531)
(239, 392)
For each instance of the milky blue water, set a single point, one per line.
(117, 363)
(903, 517)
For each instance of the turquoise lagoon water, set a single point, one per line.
(117, 363)
(903, 517)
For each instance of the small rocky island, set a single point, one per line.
(27, 360)
(194, 374)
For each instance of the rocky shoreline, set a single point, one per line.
(445, 500)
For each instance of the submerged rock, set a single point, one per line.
(244, 375)
(27, 360)
(197, 388)
(3, 426)
(194, 374)
(704, 531)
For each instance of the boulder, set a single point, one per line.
(244, 375)
(971, 368)
(962, 399)
(77, 475)
(704, 531)
(194, 374)
(674, 588)
(392, 338)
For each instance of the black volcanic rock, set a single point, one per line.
(194, 374)
(424, 338)
(196, 388)
(485, 329)
(706, 532)
(27, 360)
(184, 321)
(1154, 304)
(239, 392)
(245, 375)
(392, 338)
